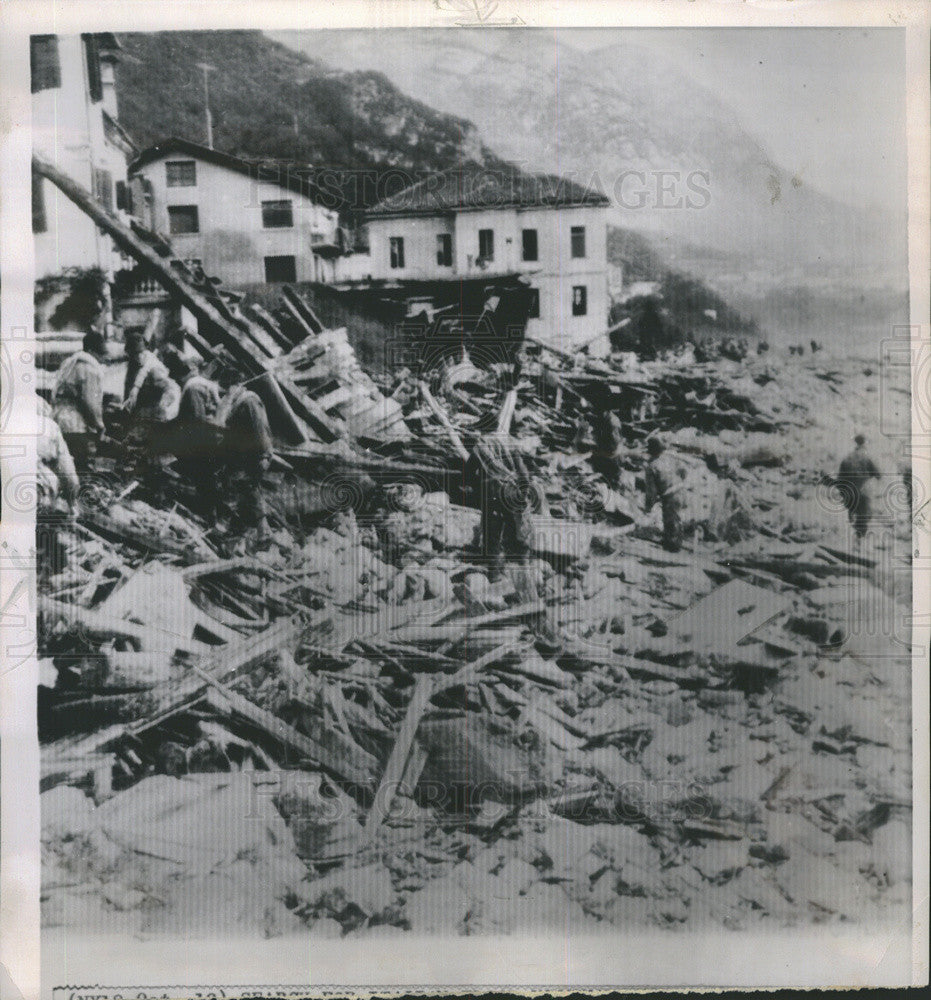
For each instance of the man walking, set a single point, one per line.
(853, 477)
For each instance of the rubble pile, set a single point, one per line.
(360, 730)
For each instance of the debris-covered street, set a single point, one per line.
(360, 724)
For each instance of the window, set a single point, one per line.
(92, 55)
(280, 269)
(277, 215)
(39, 224)
(45, 66)
(444, 249)
(577, 237)
(579, 300)
(533, 307)
(103, 187)
(124, 197)
(181, 173)
(396, 250)
(183, 219)
(531, 251)
(486, 244)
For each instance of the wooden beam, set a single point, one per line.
(235, 340)
(300, 304)
(423, 691)
(440, 414)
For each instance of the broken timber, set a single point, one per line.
(230, 335)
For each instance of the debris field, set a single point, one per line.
(356, 730)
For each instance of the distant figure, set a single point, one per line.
(815, 347)
(663, 483)
(856, 470)
(77, 399)
(762, 347)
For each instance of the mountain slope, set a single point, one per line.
(624, 114)
(270, 101)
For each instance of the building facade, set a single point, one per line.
(471, 224)
(244, 223)
(75, 128)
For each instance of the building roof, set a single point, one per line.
(470, 187)
(267, 173)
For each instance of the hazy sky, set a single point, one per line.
(829, 103)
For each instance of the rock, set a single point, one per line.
(369, 889)
(467, 763)
(517, 876)
(66, 813)
(679, 714)
(436, 583)
(477, 590)
(323, 825)
(721, 860)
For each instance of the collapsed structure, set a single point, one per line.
(656, 738)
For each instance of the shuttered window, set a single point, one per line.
(45, 66)
(39, 223)
(103, 188)
(396, 251)
(124, 197)
(92, 57)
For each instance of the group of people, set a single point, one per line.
(215, 429)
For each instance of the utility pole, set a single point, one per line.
(207, 68)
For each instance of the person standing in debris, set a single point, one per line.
(856, 471)
(498, 474)
(606, 432)
(77, 399)
(149, 392)
(195, 436)
(57, 488)
(247, 451)
(663, 484)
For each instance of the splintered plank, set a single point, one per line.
(423, 691)
(328, 748)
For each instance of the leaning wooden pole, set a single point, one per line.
(234, 340)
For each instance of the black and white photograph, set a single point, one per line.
(479, 489)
